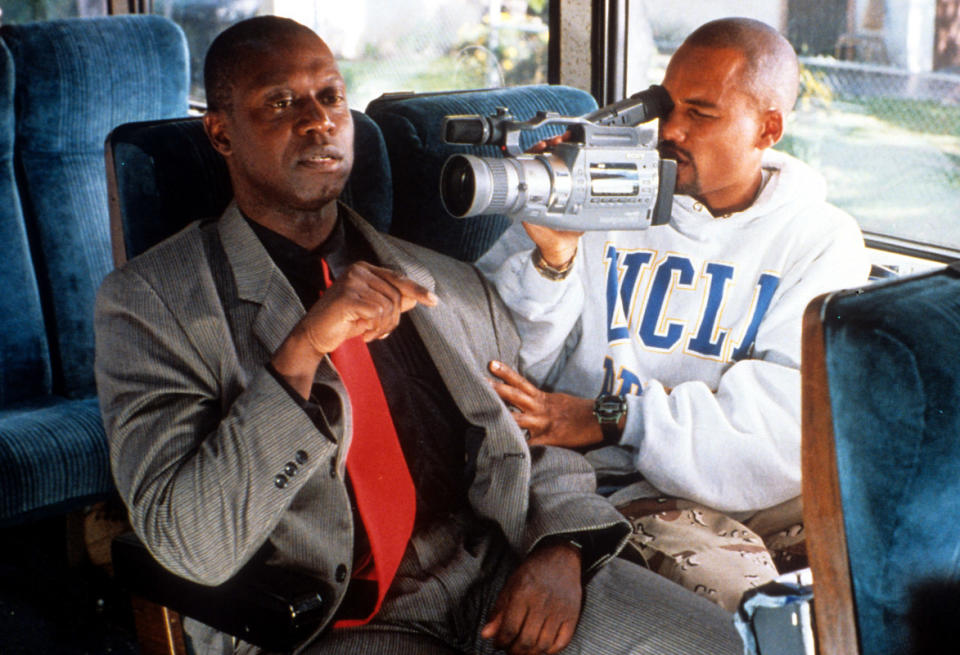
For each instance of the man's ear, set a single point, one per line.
(771, 128)
(214, 124)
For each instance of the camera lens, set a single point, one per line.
(473, 186)
(458, 186)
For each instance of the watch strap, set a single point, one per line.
(611, 433)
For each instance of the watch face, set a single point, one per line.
(609, 408)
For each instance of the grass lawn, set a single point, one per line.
(893, 164)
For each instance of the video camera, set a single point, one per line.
(605, 175)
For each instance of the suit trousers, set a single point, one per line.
(626, 610)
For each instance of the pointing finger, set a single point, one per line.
(513, 378)
(514, 396)
(411, 292)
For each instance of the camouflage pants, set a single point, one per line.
(708, 552)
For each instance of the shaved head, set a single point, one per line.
(771, 73)
(277, 111)
(232, 51)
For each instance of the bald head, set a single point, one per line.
(770, 72)
(232, 51)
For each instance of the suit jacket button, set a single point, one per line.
(290, 469)
(341, 573)
(280, 481)
(333, 468)
(301, 456)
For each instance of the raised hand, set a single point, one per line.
(365, 301)
(557, 247)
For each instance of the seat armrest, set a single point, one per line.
(270, 607)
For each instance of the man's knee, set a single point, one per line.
(628, 609)
(701, 549)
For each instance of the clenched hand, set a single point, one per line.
(365, 301)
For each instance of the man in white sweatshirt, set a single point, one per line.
(673, 353)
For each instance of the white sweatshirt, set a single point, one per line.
(698, 323)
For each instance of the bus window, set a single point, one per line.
(879, 111)
(24, 11)
(383, 45)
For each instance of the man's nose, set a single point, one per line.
(672, 128)
(316, 118)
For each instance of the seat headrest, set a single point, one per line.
(86, 76)
(167, 175)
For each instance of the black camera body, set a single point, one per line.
(605, 175)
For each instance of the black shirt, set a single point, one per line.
(429, 425)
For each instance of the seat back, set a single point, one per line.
(161, 176)
(881, 455)
(412, 128)
(24, 356)
(164, 175)
(75, 80)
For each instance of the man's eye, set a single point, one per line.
(281, 103)
(332, 98)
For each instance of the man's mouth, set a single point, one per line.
(320, 157)
(669, 151)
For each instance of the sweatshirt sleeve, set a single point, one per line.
(545, 311)
(737, 447)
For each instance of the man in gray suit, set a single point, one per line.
(230, 426)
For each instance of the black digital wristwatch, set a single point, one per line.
(609, 409)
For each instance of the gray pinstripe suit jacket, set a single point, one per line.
(198, 428)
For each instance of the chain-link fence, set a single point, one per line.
(888, 142)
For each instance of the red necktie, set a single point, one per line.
(382, 487)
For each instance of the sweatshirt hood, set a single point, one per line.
(790, 183)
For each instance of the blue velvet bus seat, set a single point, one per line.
(29, 415)
(892, 355)
(165, 174)
(412, 128)
(24, 356)
(74, 80)
(161, 176)
(43, 438)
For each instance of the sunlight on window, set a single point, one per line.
(385, 46)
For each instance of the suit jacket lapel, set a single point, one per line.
(500, 486)
(464, 378)
(387, 254)
(259, 281)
